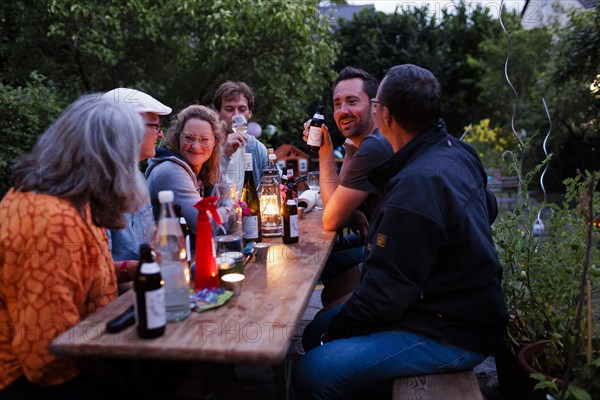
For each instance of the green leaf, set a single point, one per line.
(579, 393)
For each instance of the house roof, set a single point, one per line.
(289, 152)
(588, 3)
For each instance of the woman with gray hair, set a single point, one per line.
(190, 164)
(54, 260)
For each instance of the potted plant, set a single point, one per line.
(547, 251)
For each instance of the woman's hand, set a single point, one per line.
(126, 270)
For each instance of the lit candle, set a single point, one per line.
(233, 282)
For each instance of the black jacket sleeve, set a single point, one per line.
(403, 249)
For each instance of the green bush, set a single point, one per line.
(27, 112)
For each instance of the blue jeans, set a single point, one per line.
(366, 366)
(346, 254)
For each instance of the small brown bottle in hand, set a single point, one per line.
(315, 136)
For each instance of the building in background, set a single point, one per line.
(299, 159)
(544, 12)
(334, 12)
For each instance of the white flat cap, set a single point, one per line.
(140, 101)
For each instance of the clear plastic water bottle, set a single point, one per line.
(171, 256)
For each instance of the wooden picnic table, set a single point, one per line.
(255, 327)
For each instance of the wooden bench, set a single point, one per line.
(446, 386)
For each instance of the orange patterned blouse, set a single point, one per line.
(55, 269)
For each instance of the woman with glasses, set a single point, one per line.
(125, 243)
(189, 165)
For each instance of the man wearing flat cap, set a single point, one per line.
(125, 243)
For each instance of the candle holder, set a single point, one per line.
(270, 207)
(260, 251)
(233, 282)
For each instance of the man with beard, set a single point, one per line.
(430, 298)
(349, 198)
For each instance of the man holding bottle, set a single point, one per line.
(349, 198)
(430, 299)
(230, 99)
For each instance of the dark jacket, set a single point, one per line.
(431, 266)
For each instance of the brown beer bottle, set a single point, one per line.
(290, 223)
(315, 136)
(149, 299)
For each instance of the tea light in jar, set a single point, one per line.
(233, 282)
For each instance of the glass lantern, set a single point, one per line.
(270, 207)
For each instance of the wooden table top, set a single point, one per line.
(255, 327)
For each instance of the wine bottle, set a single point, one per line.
(315, 136)
(292, 189)
(272, 168)
(290, 223)
(149, 299)
(170, 248)
(251, 222)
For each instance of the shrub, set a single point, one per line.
(27, 112)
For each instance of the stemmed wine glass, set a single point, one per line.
(313, 184)
(239, 123)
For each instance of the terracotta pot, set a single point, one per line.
(525, 357)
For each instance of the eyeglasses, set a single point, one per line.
(375, 103)
(157, 127)
(191, 139)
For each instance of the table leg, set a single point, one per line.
(283, 376)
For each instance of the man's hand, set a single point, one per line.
(326, 141)
(359, 223)
(234, 141)
(325, 338)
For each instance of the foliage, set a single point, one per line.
(553, 387)
(181, 50)
(376, 41)
(528, 59)
(28, 111)
(84, 46)
(466, 49)
(567, 84)
(177, 50)
(283, 57)
(544, 250)
(490, 143)
(588, 378)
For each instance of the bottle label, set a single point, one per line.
(155, 308)
(248, 164)
(250, 227)
(188, 248)
(314, 136)
(294, 225)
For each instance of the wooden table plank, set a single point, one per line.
(256, 326)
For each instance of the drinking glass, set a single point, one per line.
(313, 184)
(239, 123)
(228, 236)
